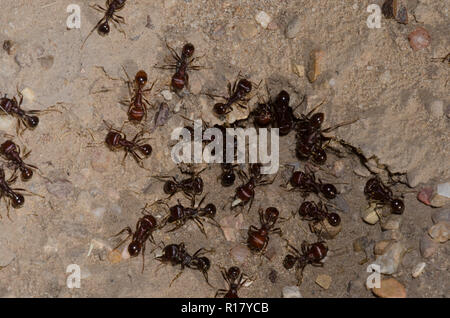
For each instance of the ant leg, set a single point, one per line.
(314, 108)
(339, 125)
(27, 192)
(129, 231)
(98, 7)
(173, 52)
(200, 226)
(93, 29)
(220, 292)
(143, 257)
(175, 278)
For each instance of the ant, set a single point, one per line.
(16, 199)
(310, 254)
(245, 193)
(137, 109)
(228, 176)
(233, 278)
(191, 186)
(179, 214)
(312, 211)
(306, 183)
(176, 254)
(112, 6)
(376, 191)
(12, 152)
(115, 139)
(182, 64)
(144, 231)
(259, 238)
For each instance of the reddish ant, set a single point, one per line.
(112, 6)
(116, 139)
(310, 254)
(181, 78)
(144, 231)
(233, 278)
(312, 211)
(306, 183)
(137, 106)
(259, 238)
(376, 191)
(12, 152)
(176, 254)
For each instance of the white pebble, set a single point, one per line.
(418, 270)
(291, 292)
(166, 94)
(263, 19)
(28, 94)
(444, 189)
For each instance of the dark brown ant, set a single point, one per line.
(306, 183)
(376, 191)
(234, 279)
(144, 231)
(310, 254)
(183, 63)
(137, 106)
(228, 175)
(179, 214)
(176, 254)
(12, 196)
(312, 211)
(115, 139)
(258, 238)
(112, 6)
(12, 152)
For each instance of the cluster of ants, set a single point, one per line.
(311, 145)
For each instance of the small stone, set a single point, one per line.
(418, 269)
(324, 281)
(370, 214)
(437, 109)
(291, 292)
(23, 59)
(425, 195)
(125, 254)
(438, 201)
(247, 31)
(114, 257)
(419, 39)
(381, 246)
(427, 246)
(293, 27)
(28, 94)
(441, 216)
(230, 226)
(390, 288)
(443, 189)
(392, 222)
(361, 171)
(440, 232)
(239, 253)
(360, 244)
(326, 230)
(391, 259)
(402, 15)
(316, 65)
(9, 46)
(299, 70)
(263, 19)
(46, 61)
(166, 94)
(162, 115)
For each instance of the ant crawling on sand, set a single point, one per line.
(259, 238)
(11, 151)
(182, 64)
(377, 191)
(317, 213)
(306, 183)
(234, 279)
(176, 254)
(112, 6)
(144, 231)
(310, 254)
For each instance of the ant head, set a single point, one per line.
(334, 219)
(233, 272)
(220, 109)
(188, 50)
(103, 28)
(32, 121)
(228, 178)
(112, 138)
(27, 173)
(141, 78)
(134, 248)
(283, 98)
(397, 206)
(17, 200)
(244, 85)
(198, 185)
(210, 210)
(329, 190)
(317, 119)
(319, 156)
(146, 149)
(289, 261)
(170, 187)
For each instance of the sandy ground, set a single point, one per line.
(400, 97)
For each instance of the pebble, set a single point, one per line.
(230, 226)
(443, 189)
(46, 61)
(390, 288)
(316, 64)
(362, 172)
(23, 59)
(381, 246)
(114, 257)
(329, 232)
(392, 222)
(370, 215)
(239, 253)
(162, 115)
(28, 94)
(425, 195)
(9, 46)
(427, 246)
(293, 27)
(247, 31)
(166, 94)
(263, 19)
(291, 292)
(360, 244)
(391, 259)
(299, 70)
(339, 168)
(418, 269)
(324, 281)
(438, 201)
(441, 216)
(419, 39)
(437, 109)
(440, 232)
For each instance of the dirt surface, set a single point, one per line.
(400, 97)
